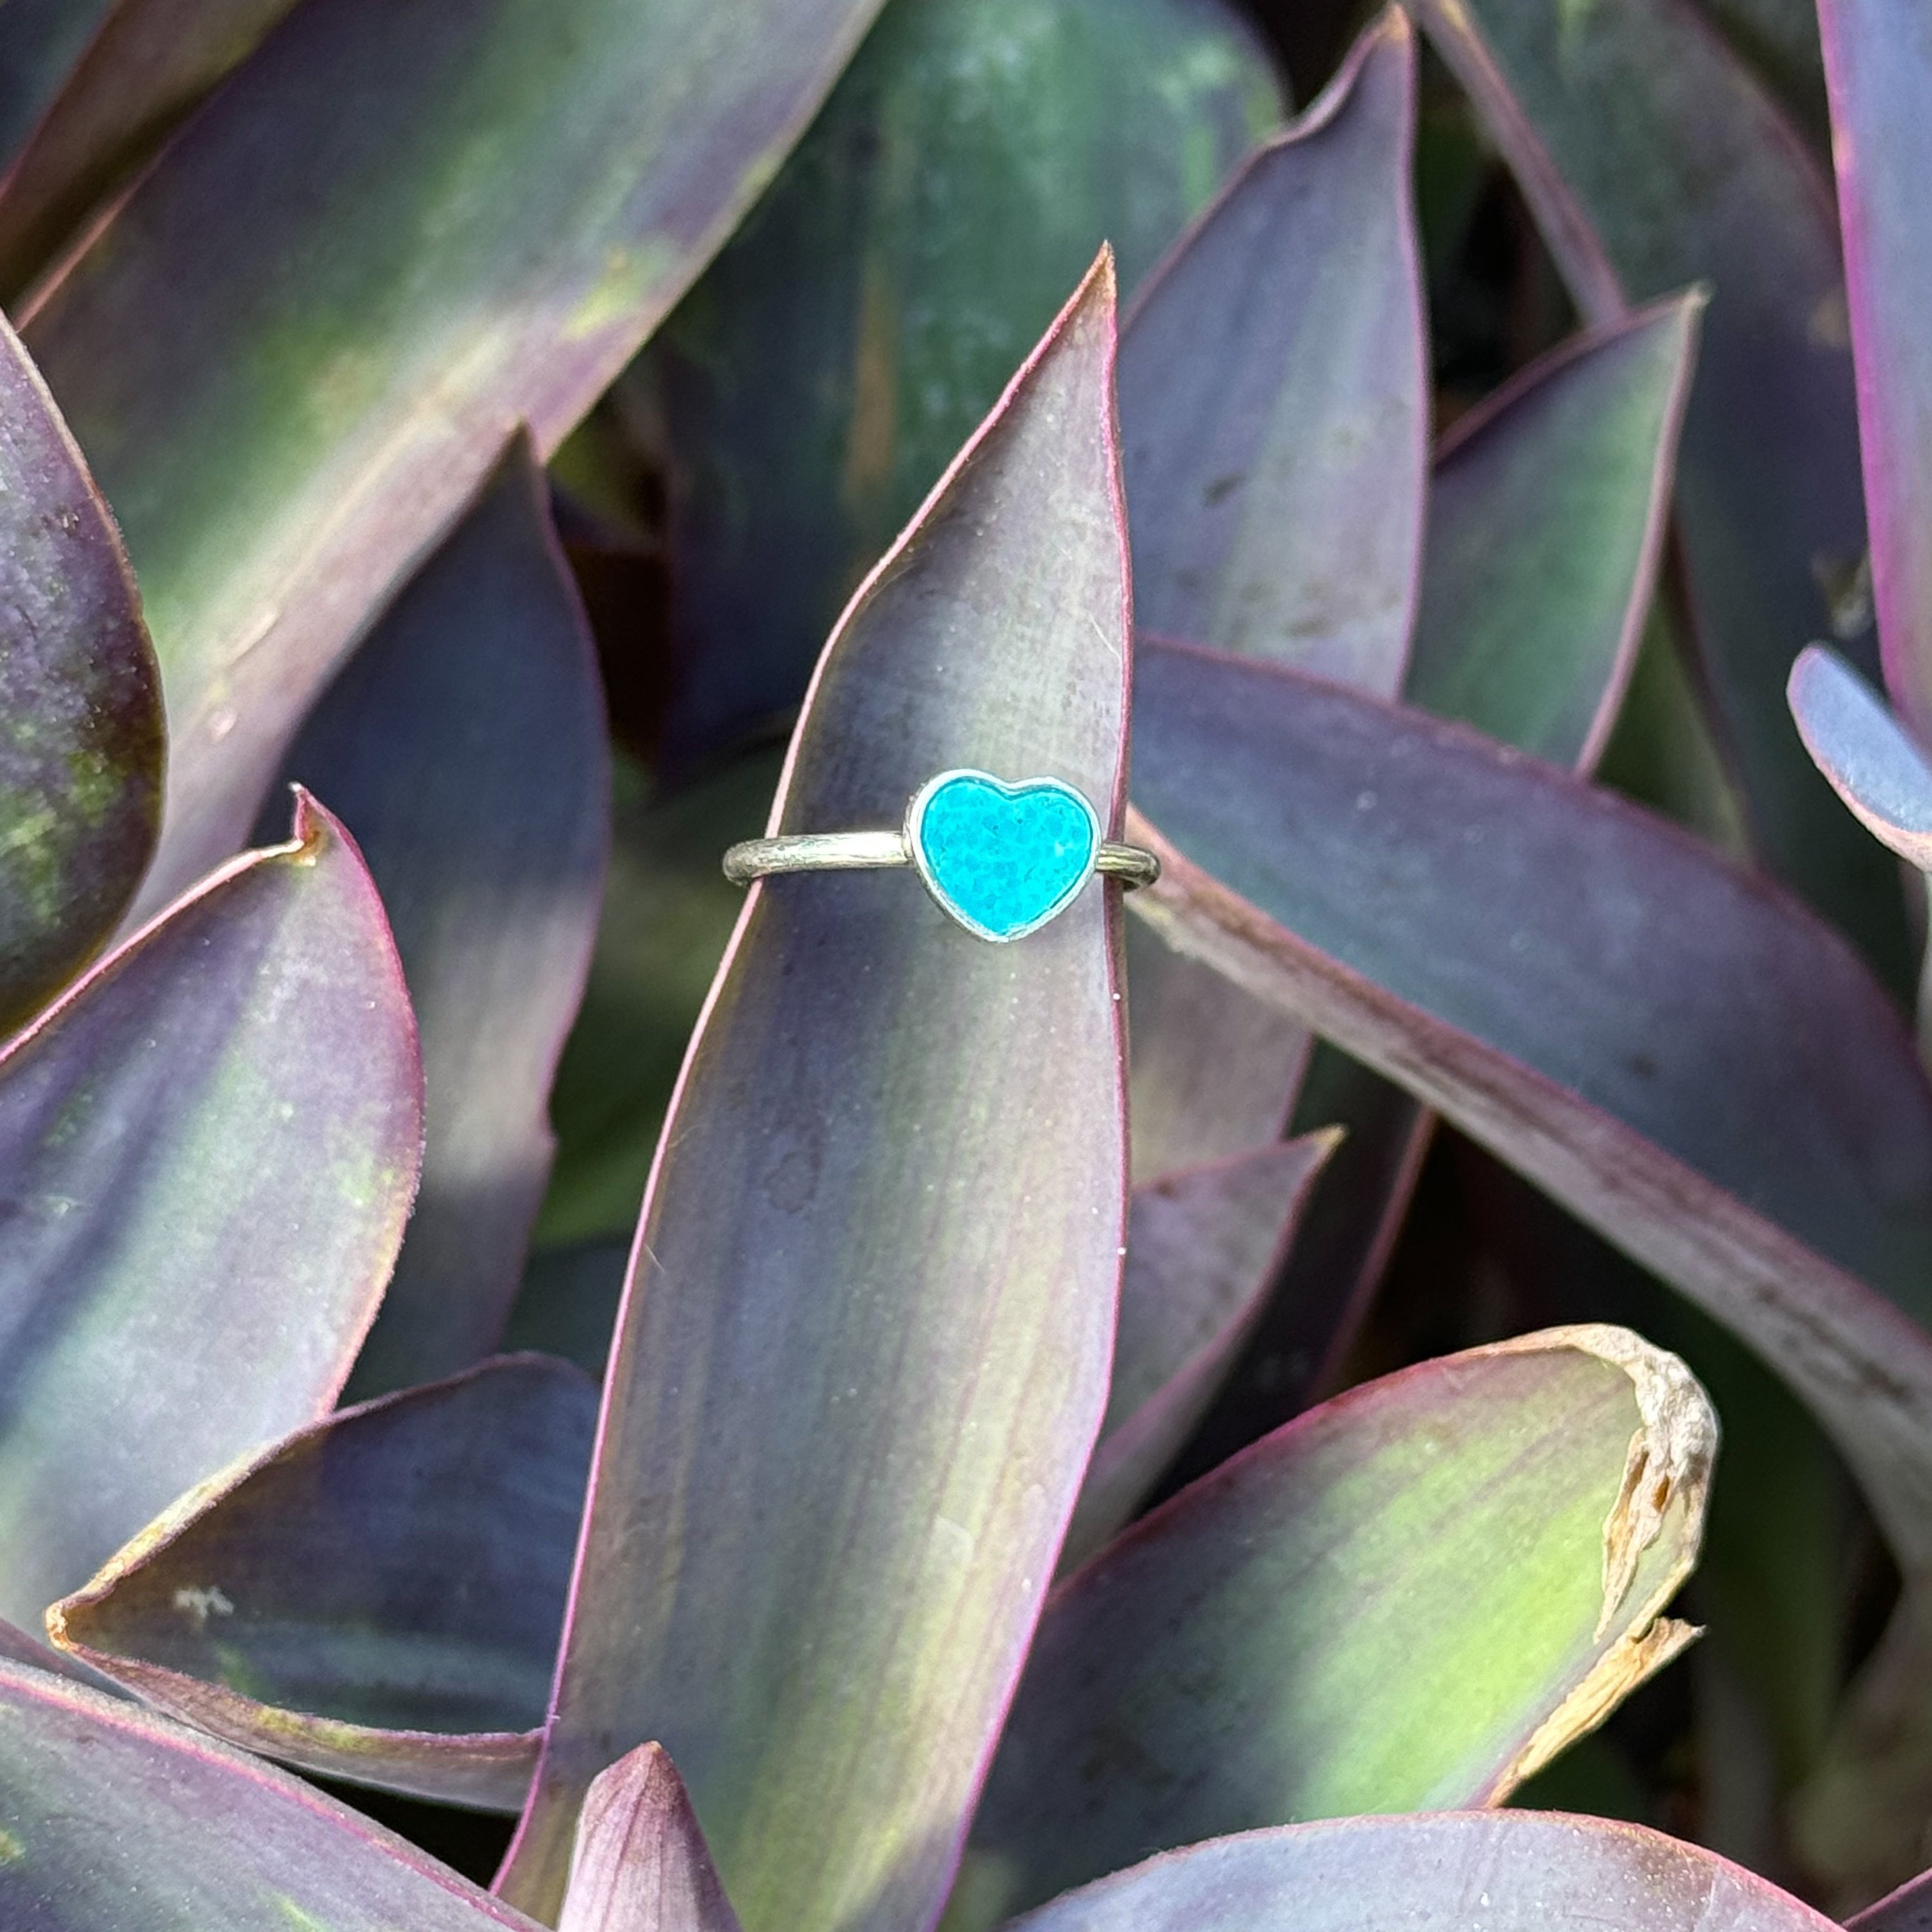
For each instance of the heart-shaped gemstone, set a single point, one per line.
(1002, 859)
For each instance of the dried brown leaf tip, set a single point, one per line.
(1670, 1456)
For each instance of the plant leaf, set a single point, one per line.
(1501, 1871)
(567, 1304)
(1204, 1248)
(869, 1322)
(1698, 174)
(925, 231)
(1274, 406)
(1273, 379)
(1213, 1071)
(1730, 1099)
(81, 729)
(377, 1596)
(1546, 516)
(1878, 62)
(668, 915)
(1332, 1270)
(1779, 38)
(1545, 521)
(1907, 1909)
(293, 353)
(210, 1146)
(1873, 763)
(117, 1820)
(145, 64)
(640, 1863)
(44, 39)
(463, 745)
(1322, 1627)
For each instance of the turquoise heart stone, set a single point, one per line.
(1002, 859)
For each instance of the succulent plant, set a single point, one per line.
(969, 1478)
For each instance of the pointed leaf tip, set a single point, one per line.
(1273, 391)
(640, 1863)
(898, 1319)
(237, 1090)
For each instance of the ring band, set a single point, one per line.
(873, 851)
(1000, 859)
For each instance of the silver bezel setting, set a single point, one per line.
(915, 844)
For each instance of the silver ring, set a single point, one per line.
(1000, 859)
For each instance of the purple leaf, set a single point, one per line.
(1274, 396)
(1325, 1625)
(1275, 423)
(210, 1146)
(640, 1863)
(1878, 66)
(1874, 763)
(1504, 1871)
(116, 1820)
(868, 1323)
(1698, 174)
(1907, 1909)
(293, 350)
(463, 745)
(1547, 511)
(146, 64)
(1204, 1248)
(1731, 1098)
(1547, 515)
(377, 1596)
(81, 728)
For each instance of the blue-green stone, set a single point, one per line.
(1004, 859)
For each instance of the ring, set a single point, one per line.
(999, 860)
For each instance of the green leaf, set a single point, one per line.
(463, 745)
(1204, 1248)
(668, 915)
(1545, 522)
(377, 1596)
(1508, 1871)
(1878, 56)
(210, 1146)
(1698, 174)
(145, 64)
(81, 728)
(293, 353)
(1405, 1600)
(908, 256)
(640, 1863)
(1728, 1096)
(870, 1318)
(115, 1820)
